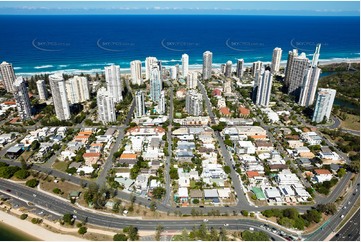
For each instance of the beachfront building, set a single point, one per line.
(155, 84)
(22, 99)
(136, 72)
(316, 55)
(150, 62)
(114, 83)
(240, 64)
(139, 104)
(263, 87)
(8, 76)
(228, 69)
(42, 91)
(256, 67)
(106, 106)
(194, 103)
(291, 55)
(60, 100)
(309, 86)
(185, 64)
(324, 103)
(207, 65)
(77, 89)
(276, 60)
(298, 69)
(192, 80)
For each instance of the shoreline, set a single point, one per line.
(40, 233)
(18, 232)
(192, 67)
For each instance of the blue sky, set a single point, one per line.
(319, 8)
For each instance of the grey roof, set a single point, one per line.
(14, 149)
(154, 142)
(196, 193)
(126, 182)
(210, 193)
(184, 154)
(75, 164)
(334, 167)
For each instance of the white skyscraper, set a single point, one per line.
(192, 80)
(77, 89)
(185, 63)
(161, 104)
(316, 55)
(207, 65)
(276, 60)
(240, 64)
(22, 99)
(228, 70)
(8, 76)
(194, 103)
(309, 86)
(155, 85)
(43, 92)
(60, 101)
(296, 74)
(139, 104)
(114, 83)
(173, 72)
(256, 66)
(136, 72)
(106, 106)
(264, 88)
(150, 62)
(324, 103)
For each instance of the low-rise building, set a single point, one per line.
(322, 175)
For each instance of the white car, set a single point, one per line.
(205, 220)
(226, 225)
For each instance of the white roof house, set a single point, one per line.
(137, 143)
(183, 192)
(286, 177)
(245, 147)
(311, 138)
(86, 169)
(183, 181)
(272, 192)
(210, 193)
(287, 191)
(224, 193)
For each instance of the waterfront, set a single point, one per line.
(8, 233)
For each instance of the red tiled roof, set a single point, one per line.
(244, 111)
(252, 174)
(322, 172)
(88, 155)
(225, 111)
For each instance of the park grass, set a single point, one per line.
(351, 122)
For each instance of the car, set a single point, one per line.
(34, 195)
(75, 216)
(342, 216)
(201, 206)
(250, 228)
(349, 203)
(205, 220)
(225, 225)
(8, 190)
(344, 207)
(41, 212)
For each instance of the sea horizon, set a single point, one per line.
(87, 43)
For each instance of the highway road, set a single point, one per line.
(351, 230)
(112, 221)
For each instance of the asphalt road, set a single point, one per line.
(351, 230)
(46, 202)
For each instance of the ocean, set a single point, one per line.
(8, 233)
(73, 43)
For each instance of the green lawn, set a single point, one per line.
(60, 165)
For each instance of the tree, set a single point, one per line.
(341, 172)
(227, 169)
(120, 237)
(68, 219)
(152, 206)
(132, 233)
(82, 230)
(35, 145)
(158, 232)
(245, 213)
(8, 171)
(158, 192)
(22, 174)
(195, 201)
(23, 216)
(32, 183)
